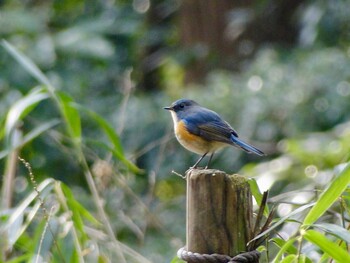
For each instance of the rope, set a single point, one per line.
(246, 257)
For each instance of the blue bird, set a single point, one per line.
(203, 131)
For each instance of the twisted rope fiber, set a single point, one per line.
(246, 257)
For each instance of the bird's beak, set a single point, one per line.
(168, 108)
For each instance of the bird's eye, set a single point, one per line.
(182, 105)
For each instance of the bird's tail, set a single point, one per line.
(246, 147)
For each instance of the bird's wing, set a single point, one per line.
(210, 126)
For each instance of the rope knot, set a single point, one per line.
(246, 257)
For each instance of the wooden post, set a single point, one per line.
(219, 212)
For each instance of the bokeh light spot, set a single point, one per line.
(141, 6)
(255, 83)
(311, 171)
(20, 184)
(343, 88)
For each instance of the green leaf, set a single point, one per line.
(12, 226)
(296, 259)
(71, 116)
(113, 137)
(82, 211)
(326, 245)
(285, 246)
(105, 126)
(257, 194)
(289, 259)
(335, 230)
(48, 235)
(77, 210)
(20, 259)
(177, 260)
(39, 130)
(27, 64)
(329, 196)
(30, 136)
(119, 156)
(22, 108)
(282, 220)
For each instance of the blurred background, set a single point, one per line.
(277, 71)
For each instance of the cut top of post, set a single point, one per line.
(219, 212)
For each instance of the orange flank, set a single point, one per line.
(195, 143)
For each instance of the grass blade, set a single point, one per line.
(27, 64)
(257, 194)
(113, 137)
(282, 220)
(335, 230)
(71, 116)
(105, 126)
(119, 156)
(285, 246)
(22, 108)
(30, 136)
(329, 196)
(326, 245)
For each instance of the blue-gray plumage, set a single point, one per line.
(203, 131)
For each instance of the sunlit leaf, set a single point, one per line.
(254, 188)
(295, 259)
(289, 259)
(177, 260)
(22, 108)
(329, 196)
(21, 211)
(20, 259)
(326, 245)
(285, 247)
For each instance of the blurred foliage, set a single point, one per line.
(291, 102)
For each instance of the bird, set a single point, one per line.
(203, 131)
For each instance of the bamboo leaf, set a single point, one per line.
(105, 126)
(119, 156)
(11, 226)
(296, 259)
(39, 130)
(113, 137)
(71, 116)
(176, 260)
(285, 246)
(75, 206)
(335, 230)
(326, 245)
(22, 108)
(257, 194)
(282, 220)
(20, 259)
(329, 196)
(30, 136)
(289, 259)
(27, 64)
